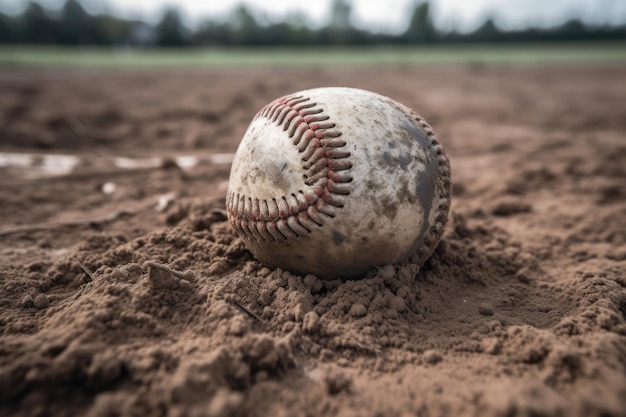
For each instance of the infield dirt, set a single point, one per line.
(125, 292)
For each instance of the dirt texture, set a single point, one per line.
(125, 292)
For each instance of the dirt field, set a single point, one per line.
(124, 291)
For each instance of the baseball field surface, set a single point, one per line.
(126, 291)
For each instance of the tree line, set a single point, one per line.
(73, 25)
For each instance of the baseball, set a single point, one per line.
(336, 181)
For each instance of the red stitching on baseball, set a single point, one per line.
(326, 168)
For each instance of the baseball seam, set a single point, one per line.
(326, 165)
(434, 232)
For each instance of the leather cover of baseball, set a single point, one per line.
(335, 181)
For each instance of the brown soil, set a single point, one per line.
(141, 300)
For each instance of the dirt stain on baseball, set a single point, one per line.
(338, 238)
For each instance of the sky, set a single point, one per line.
(377, 15)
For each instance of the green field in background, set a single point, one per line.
(536, 54)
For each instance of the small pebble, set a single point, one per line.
(486, 310)
(288, 326)
(358, 310)
(309, 281)
(189, 275)
(432, 357)
(311, 322)
(510, 208)
(109, 187)
(27, 301)
(42, 301)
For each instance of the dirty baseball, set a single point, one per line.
(336, 181)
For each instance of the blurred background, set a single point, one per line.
(131, 31)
